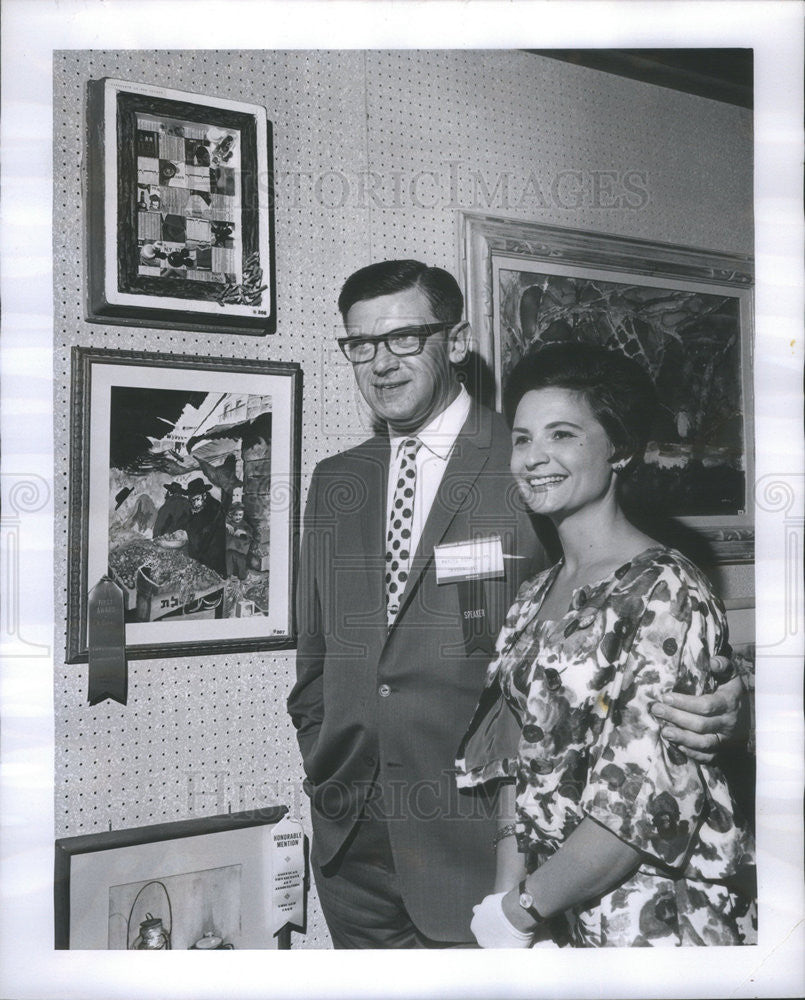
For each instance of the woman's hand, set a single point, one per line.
(493, 929)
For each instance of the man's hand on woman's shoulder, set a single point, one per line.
(701, 725)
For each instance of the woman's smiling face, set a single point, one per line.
(560, 452)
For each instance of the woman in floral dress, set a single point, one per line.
(617, 838)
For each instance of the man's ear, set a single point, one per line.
(459, 341)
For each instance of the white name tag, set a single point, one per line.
(476, 559)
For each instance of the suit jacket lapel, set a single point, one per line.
(470, 454)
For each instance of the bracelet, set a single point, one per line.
(502, 832)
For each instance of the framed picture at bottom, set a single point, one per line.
(197, 884)
(183, 491)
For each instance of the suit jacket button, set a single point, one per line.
(384, 690)
(370, 760)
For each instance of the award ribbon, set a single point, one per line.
(287, 875)
(108, 672)
(475, 618)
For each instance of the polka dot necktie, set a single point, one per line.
(398, 536)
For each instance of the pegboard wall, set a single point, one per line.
(374, 153)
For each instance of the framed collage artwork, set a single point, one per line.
(179, 210)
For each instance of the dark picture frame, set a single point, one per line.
(184, 489)
(179, 221)
(685, 313)
(95, 873)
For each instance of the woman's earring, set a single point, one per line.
(620, 466)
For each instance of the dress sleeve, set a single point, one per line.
(639, 786)
(488, 751)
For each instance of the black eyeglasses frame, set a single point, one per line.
(422, 332)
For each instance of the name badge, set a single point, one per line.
(476, 559)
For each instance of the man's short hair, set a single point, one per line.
(390, 276)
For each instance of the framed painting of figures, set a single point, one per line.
(685, 315)
(183, 491)
(179, 210)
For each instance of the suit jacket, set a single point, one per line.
(373, 704)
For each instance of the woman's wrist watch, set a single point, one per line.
(526, 901)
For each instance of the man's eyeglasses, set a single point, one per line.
(404, 342)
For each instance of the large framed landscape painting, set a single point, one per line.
(179, 210)
(684, 314)
(184, 492)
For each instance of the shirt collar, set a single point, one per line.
(440, 434)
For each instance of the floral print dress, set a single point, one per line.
(565, 712)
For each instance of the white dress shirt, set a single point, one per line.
(437, 438)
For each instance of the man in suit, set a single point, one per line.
(397, 622)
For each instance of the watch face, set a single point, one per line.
(526, 900)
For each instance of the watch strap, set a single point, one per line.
(526, 900)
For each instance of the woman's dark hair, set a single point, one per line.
(390, 276)
(618, 390)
